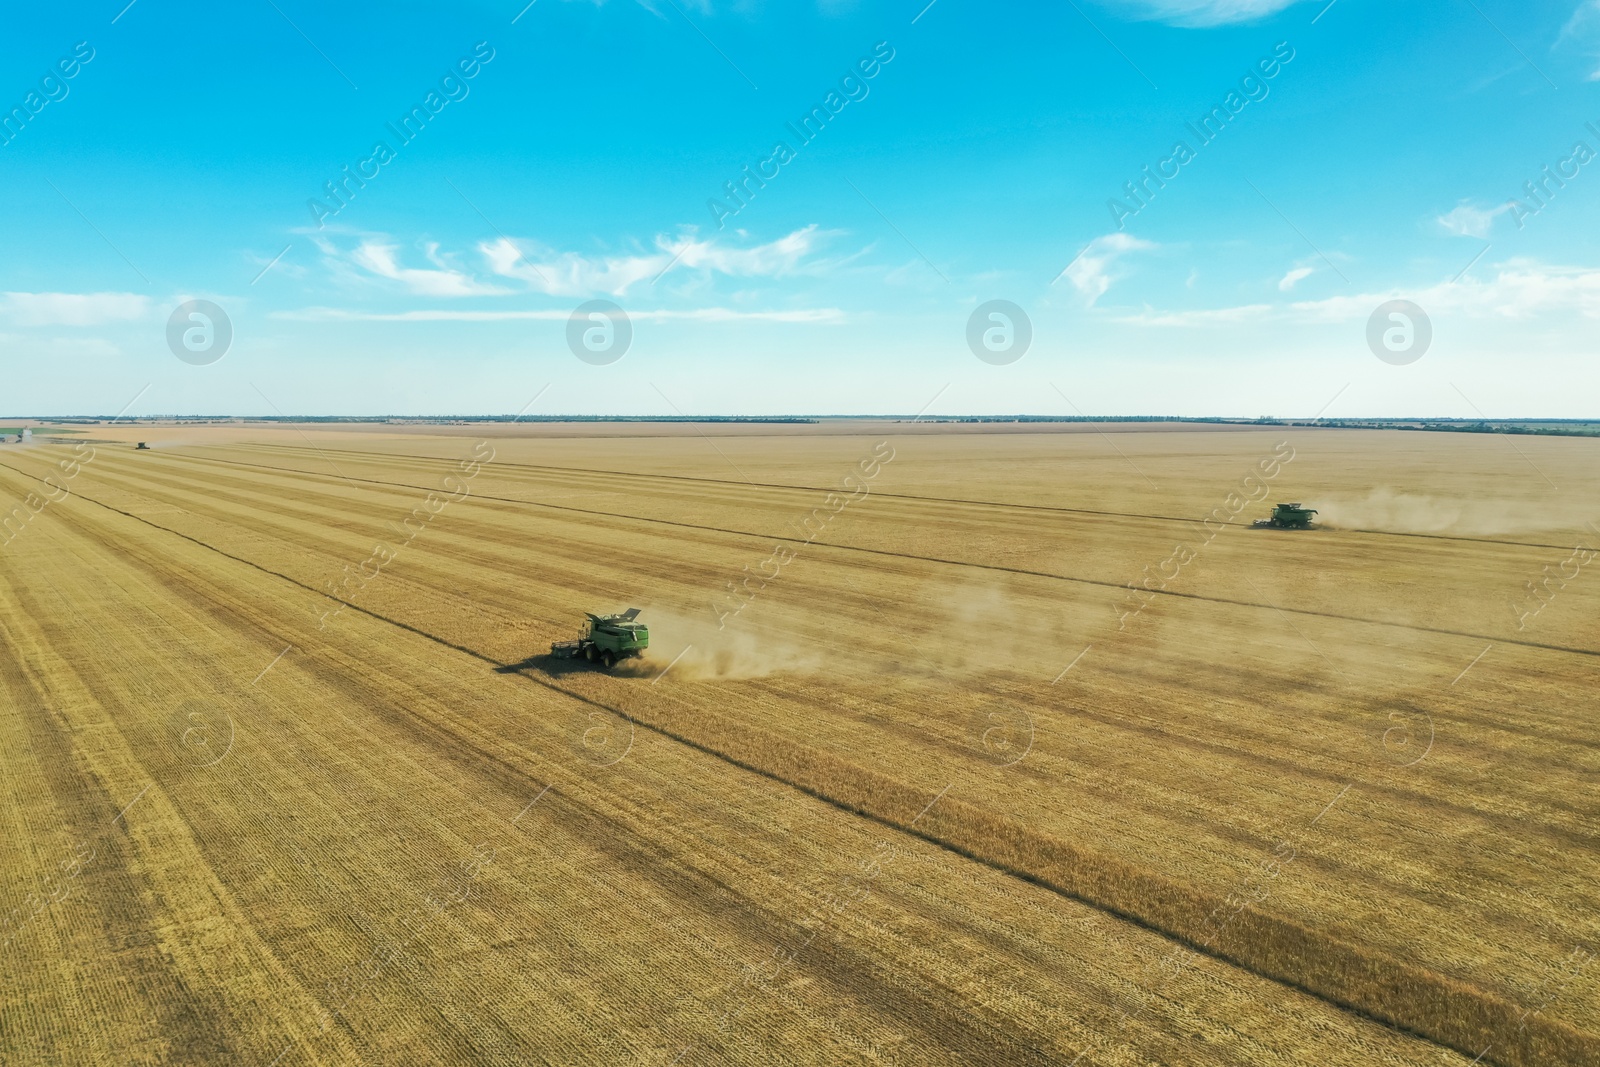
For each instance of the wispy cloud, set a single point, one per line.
(1582, 31)
(1520, 289)
(1200, 13)
(572, 274)
(72, 309)
(710, 314)
(443, 279)
(1230, 316)
(533, 268)
(1471, 220)
(1095, 270)
(1295, 276)
(96, 347)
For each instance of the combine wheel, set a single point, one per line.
(588, 653)
(609, 658)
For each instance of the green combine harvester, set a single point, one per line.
(610, 638)
(1288, 517)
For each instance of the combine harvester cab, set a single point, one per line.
(1288, 517)
(610, 638)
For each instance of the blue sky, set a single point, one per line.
(978, 163)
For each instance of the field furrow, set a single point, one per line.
(1237, 790)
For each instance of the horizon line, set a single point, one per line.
(1262, 420)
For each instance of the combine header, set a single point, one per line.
(610, 638)
(1287, 517)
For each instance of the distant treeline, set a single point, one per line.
(420, 420)
(1544, 427)
(1540, 427)
(1043, 418)
(1547, 427)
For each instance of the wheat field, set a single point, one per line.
(954, 745)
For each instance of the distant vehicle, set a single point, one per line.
(1288, 517)
(142, 445)
(610, 638)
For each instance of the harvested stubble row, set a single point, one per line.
(308, 526)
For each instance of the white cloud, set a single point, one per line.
(97, 347)
(1202, 317)
(1470, 220)
(1197, 13)
(444, 280)
(1583, 31)
(1520, 289)
(1298, 274)
(711, 314)
(1095, 269)
(572, 274)
(72, 309)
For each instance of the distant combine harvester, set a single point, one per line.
(1287, 517)
(610, 638)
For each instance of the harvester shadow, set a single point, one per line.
(560, 666)
(548, 665)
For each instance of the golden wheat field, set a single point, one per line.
(953, 745)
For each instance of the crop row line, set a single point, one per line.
(1097, 582)
(1373, 984)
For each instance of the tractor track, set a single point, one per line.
(109, 893)
(999, 568)
(436, 578)
(852, 971)
(1437, 985)
(1049, 508)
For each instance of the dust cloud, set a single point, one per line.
(1398, 512)
(975, 622)
(703, 652)
(956, 626)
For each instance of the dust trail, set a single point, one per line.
(1399, 512)
(165, 443)
(971, 625)
(957, 626)
(734, 651)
